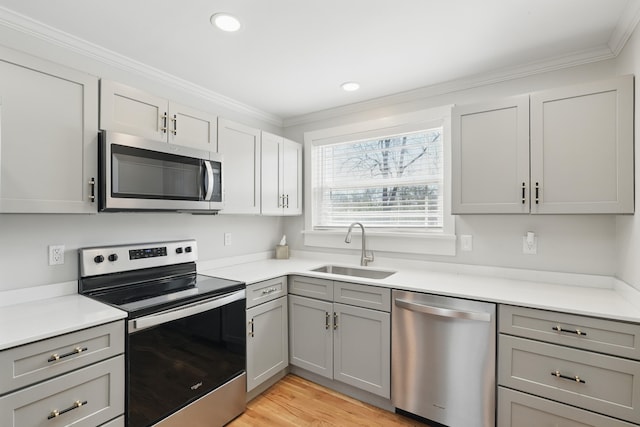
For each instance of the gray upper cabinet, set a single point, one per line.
(281, 176)
(129, 110)
(559, 151)
(582, 148)
(491, 157)
(48, 136)
(240, 146)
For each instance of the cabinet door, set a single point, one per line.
(272, 192)
(582, 148)
(362, 342)
(192, 128)
(490, 157)
(291, 177)
(311, 335)
(240, 147)
(48, 136)
(129, 110)
(267, 341)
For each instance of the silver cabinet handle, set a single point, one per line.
(576, 331)
(55, 413)
(524, 189)
(55, 356)
(251, 331)
(327, 316)
(443, 312)
(575, 378)
(335, 321)
(269, 291)
(174, 119)
(164, 122)
(537, 193)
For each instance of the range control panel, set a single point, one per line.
(112, 259)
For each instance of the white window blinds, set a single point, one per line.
(389, 182)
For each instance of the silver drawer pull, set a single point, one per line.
(576, 378)
(251, 331)
(269, 291)
(55, 413)
(55, 356)
(571, 331)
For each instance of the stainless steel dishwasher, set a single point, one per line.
(443, 354)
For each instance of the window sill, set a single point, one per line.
(380, 241)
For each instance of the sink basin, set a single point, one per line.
(354, 271)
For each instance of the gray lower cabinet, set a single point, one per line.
(588, 388)
(345, 342)
(72, 379)
(267, 333)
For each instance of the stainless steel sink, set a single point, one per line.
(354, 271)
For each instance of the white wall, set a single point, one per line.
(628, 227)
(24, 238)
(570, 243)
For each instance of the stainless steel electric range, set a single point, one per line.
(185, 350)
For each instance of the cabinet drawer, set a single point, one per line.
(517, 409)
(311, 287)
(267, 290)
(41, 360)
(604, 336)
(101, 386)
(366, 296)
(608, 385)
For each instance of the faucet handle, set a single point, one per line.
(367, 258)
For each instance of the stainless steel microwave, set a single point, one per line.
(137, 174)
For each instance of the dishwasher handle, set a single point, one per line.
(443, 312)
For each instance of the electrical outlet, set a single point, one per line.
(227, 239)
(530, 247)
(56, 254)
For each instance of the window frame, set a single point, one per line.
(426, 241)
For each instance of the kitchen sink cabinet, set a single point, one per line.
(348, 343)
(49, 134)
(267, 330)
(560, 151)
(281, 176)
(567, 369)
(132, 111)
(71, 379)
(240, 146)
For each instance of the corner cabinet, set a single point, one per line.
(267, 330)
(560, 151)
(281, 176)
(240, 146)
(48, 136)
(341, 331)
(135, 112)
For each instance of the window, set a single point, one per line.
(391, 174)
(390, 182)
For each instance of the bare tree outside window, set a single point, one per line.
(393, 182)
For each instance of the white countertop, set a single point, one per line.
(38, 319)
(598, 296)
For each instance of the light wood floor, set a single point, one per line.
(296, 402)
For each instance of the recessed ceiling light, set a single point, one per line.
(225, 22)
(350, 86)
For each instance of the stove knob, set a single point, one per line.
(113, 257)
(187, 249)
(178, 250)
(98, 259)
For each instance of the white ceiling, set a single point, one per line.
(292, 55)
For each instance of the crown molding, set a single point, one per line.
(626, 25)
(41, 31)
(484, 79)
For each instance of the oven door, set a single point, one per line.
(177, 356)
(139, 174)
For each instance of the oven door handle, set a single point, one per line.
(184, 311)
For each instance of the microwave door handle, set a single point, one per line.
(208, 183)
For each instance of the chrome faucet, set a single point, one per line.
(364, 258)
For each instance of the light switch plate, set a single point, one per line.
(466, 242)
